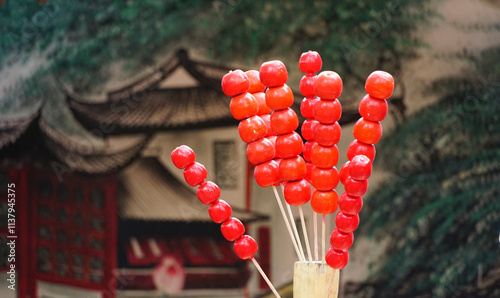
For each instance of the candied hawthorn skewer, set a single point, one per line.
(324, 154)
(208, 193)
(254, 129)
(355, 172)
(309, 63)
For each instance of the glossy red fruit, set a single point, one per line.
(307, 106)
(306, 85)
(208, 193)
(220, 211)
(255, 84)
(234, 83)
(260, 97)
(195, 174)
(337, 259)
(360, 167)
(324, 179)
(340, 240)
(373, 109)
(260, 151)
(327, 134)
(243, 106)
(232, 229)
(379, 84)
(328, 85)
(284, 121)
(367, 132)
(267, 120)
(279, 98)
(245, 247)
(346, 223)
(307, 129)
(289, 145)
(344, 173)
(324, 202)
(355, 188)
(309, 168)
(349, 204)
(183, 156)
(327, 111)
(297, 192)
(273, 73)
(307, 150)
(267, 173)
(358, 148)
(252, 129)
(292, 169)
(310, 62)
(273, 140)
(324, 157)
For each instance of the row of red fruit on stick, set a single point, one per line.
(208, 193)
(355, 172)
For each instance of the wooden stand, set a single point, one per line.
(312, 279)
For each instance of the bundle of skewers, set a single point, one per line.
(303, 173)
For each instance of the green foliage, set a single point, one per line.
(441, 204)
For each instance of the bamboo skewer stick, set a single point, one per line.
(294, 226)
(264, 276)
(315, 236)
(285, 218)
(304, 230)
(323, 236)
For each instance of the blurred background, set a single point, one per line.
(94, 95)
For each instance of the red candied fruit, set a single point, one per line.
(220, 211)
(279, 98)
(273, 140)
(234, 83)
(340, 240)
(306, 85)
(307, 129)
(284, 121)
(292, 169)
(324, 179)
(373, 109)
(324, 157)
(358, 148)
(360, 167)
(346, 223)
(307, 150)
(367, 132)
(245, 247)
(297, 192)
(309, 168)
(255, 84)
(344, 173)
(260, 97)
(379, 84)
(243, 106)
(327, 134)
(208, 193)
(355, 188)
(252, 129)
(349, 204)
(289, 145)
(260, 151)
(273, 73)
(195, 174)
(267, 173)
(183, 156)
(310, 62)
(327, 111)
(337, 259)
(328, 85)
(307, 106)
(232, 229)
(324, 202)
